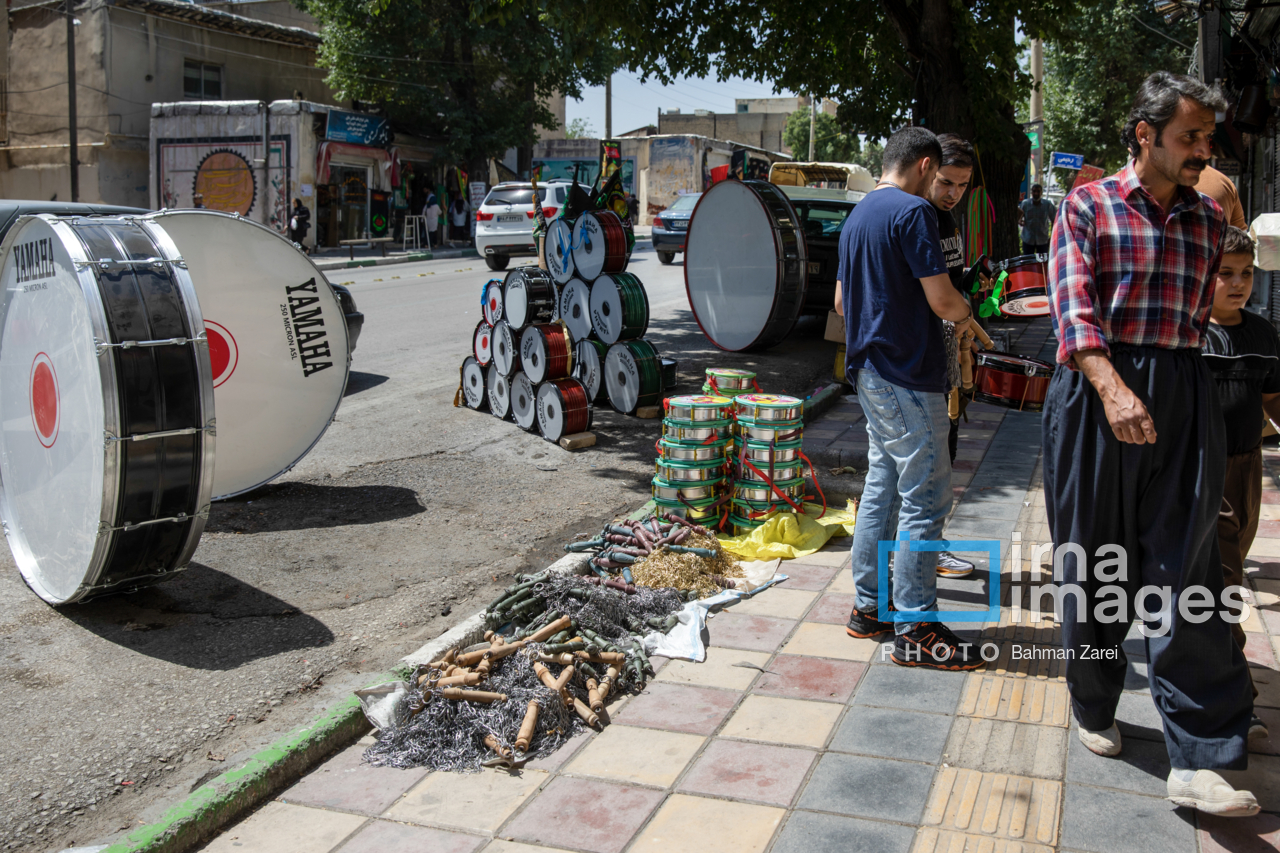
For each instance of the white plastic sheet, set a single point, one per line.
(1265, 231)
(684, 641)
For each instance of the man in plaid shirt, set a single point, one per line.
(1134, 448)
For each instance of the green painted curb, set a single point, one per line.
(819, 403)
(230, 796)
(643, 511)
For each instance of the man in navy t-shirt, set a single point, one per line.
(895, 292)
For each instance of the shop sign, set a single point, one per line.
(358, 129)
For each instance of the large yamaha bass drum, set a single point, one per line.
(106, 392)
(745, 265)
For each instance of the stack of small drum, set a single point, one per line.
(729, 382)
(555, 342)
(694, 456)
(769, 430)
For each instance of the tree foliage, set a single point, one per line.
(1091, 79)
(831, 143)
(579, 128)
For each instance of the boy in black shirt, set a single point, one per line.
(1243, 352)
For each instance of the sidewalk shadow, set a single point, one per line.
(357, 382)
(304, 506)
(200, 619)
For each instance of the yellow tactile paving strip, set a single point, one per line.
(1041, 661)
(1018, 700)
(934, 841)
(995, 804)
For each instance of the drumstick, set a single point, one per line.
(966, 368)
(981, 335)
(953, 404)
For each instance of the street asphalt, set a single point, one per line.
(405, 518)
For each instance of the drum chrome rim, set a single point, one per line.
(693, 408)
(667, 490)
(768, 407)
(746, 490)
(684, 471)
(730, 378)
(668, 449)
(780, 451)
(781, 473)
(1016, 364)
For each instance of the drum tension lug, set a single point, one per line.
(147, 436)
(104, 528)
(103, 347)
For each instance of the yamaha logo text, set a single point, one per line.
(35, 260)
(304, 328)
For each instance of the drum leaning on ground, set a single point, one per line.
(563, 409)
(633, 376)
(491, 301)
(599, 244)
(588, 367)
(106, 449)
(499, 391)
(524, 409)
(528, 298)
(277, 343)
(575, 308)
(474, 393)
(746, 267)
(545, 352)
(619, 308)
(506, 349)
(559, 250)
(670, 377)
(482, 343)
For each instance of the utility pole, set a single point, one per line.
(71, 102)
(608, 107)
(1037, 76)
(813, 123)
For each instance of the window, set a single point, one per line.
(687, 201)
(742, 108)
(515, 195)
(201, 82)
(822, 220)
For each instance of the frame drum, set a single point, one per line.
(575, 308)
(473, 386)
(746, 268)
(524, 409)
(558, 247)
(499, 394)
(106, 449)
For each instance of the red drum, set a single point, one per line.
(482, 343)
(563, 408)
(545, 352)
(599, 244)
(1026, 291)
(1011, 381)
(746, 265)
(491, 301)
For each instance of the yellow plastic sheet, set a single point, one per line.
(790, 536)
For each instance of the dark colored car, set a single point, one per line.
(671, 227)
(11, 210)
(822, 214)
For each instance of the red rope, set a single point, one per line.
(815, 483)
(756, 385)
(772, 486)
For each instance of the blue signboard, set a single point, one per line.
(1067, 161)
(358, 128)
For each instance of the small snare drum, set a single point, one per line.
(529, 297)
(575, 308)
(729, 382)
(773, 408)
(506, 348)
(681, 452)
(707, 509)
(763, 452)
(559, 250)
(749, 491)
(691, 433)
(588, 367)
(1025, 291)
(563, 408)
(545, 352)
(668, 491)
(780, 473)
(680, 471)
(632, 375)
(779, 433)
(1012, 381)
(699, 408)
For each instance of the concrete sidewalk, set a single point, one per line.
(794, 737)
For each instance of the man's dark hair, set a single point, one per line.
(956, 151)
(907, 146)
(1037, 187)
(1158, 99)
(1237, 241)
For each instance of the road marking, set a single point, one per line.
(377, 279)
(394, 277)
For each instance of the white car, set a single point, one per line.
(505, 220)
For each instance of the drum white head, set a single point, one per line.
(606, 309)
(277, 343)
(482, 343)
(589, 246)
(622, 379)
(523, 402)
(499, 393)
(559, 250)
(587, 368)
(506, 348)
(533, 354)
(474, 393)
(575, 308)
(515, 300)
(491, 297)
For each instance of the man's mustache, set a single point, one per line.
(1195, 163)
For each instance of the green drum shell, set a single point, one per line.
(682, 452)
(699, 412)
(700, 510)
(756, 491)
(740, 381)
(753, 411)
(782, 433)
(666, 490)
(781, 473)
(687, 432)
(780, 453)
(679, 471)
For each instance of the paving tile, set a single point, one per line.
(995, 804)
(282, 828)
(988, 509)
(1271, 745)
(744, 631)
(1257, 834)
(641, 756)
(813, 577)
(569, 748)
(501, 846)
(749, 771)
(892, 733)
(816, 639)
(1097, 820)
(1265, 548)
(912, 688)
(1262, 777)
(1258, 651)
(345, 782)
(861, 786)
(1142, 766)
(943, 841)
(678, 708)
(381, 835)
(800, 677)
(1137, 717)
(476, 801)
(843, 582)
(794, 722)
(807, 832)
(828, 557)
(686, 822)
(833, 608)
(776, 601)
(568, 813)
(998, 746)
(1020, 660)
(718, 670)
(1020, 700)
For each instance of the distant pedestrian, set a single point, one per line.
(299, 222)
(1036, 216)
(197, 200)
(458, 217)
(431, 214)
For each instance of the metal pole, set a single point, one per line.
(1037, 77)
(608, 107)
(74, 161)
(266, 163)
(813, 123)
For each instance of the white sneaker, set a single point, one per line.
(951, 566)
(1258, 729)
(1210, 793)
(1102, 743)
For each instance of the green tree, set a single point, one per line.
(1090, 80)
(831, 143)
(869, 156)
(579, 128)
(476, 86)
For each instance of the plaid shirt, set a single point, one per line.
(1123, 272)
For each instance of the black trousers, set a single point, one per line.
(1160, 503)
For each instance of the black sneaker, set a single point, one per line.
(864, 626)
(933, 645)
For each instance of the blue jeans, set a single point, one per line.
(908, 492)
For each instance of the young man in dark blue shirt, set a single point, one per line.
(895, 293)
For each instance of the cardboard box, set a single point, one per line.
(835, 327)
